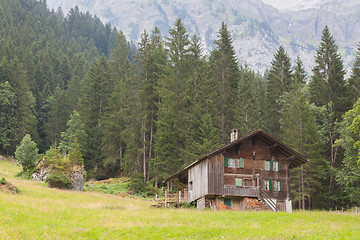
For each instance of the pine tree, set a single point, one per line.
(299, 73)
(75, 130)
(300, 131)
(225, 71)
(94, 101)
(250, 101)
(172, 112)
(327, 83)
(202, 133)
(116, 120)
(329, 90)
(7, 118)
(355, 76)
(279, 81)
(57, 116)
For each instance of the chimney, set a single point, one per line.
(234, 135)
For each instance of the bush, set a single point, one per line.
(27, 154)
(3, 181)
(58, 180)
(24, 175)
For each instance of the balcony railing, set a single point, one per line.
(237, 191)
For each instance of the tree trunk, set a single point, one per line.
(144, 150)
(150, 147)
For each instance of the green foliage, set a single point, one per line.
(27, 154)
(56, 161)
(58, 179)
(111, 188)
(74, 132)
(7, 117)
(75, 156)
(3, 181)
(279, 80)
(300, 131)
(249, 106)
(354, 80)
(225, 71)
(349, 175)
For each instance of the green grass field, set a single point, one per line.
(38, 212)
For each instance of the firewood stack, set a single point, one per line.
(254, 204)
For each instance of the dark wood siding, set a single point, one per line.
(255, 151)
(216, 175)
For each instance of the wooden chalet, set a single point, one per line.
(251, 172)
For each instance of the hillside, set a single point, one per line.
(38, 212)
(257, 28)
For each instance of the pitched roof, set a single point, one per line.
(297, 160)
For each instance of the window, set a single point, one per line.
(277, 185)
(238, 182)
(267, 185)
(231, 163)
(276, 166)
(271, 165)
(234, 162)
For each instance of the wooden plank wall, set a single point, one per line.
(252, 167)
(198, 175)
(216, 175)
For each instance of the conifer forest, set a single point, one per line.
(145, 110)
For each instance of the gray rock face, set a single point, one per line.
(76, 175)
(78, 179)
(257, 29)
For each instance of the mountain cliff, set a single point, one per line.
(258, 29)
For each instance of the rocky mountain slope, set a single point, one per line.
(258, 29)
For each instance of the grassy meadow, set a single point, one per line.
(38, 212)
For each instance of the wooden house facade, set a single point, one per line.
(250, 171)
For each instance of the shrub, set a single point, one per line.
(27, 154)
(3, 181)
(58, 180)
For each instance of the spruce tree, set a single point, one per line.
(355, 76)
(75, 130)
(94, 101)
(279, 80)
(329, 90)
(117, 118)
(225, 71)
(300, 131)
(250, 101)
(7, 118)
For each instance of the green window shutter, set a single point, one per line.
(242, 163)
(270, 185)
(238, 182)
(227, 202)
(226, 162)
(280, 186)
(279, 166)
(264, 164)
(271, 165)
